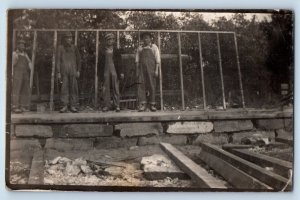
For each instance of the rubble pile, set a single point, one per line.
(65, 171)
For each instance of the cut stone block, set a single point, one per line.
(138, 129)
(190, 127)
(158, 166)
(86, 130)
(284, 134)
(62, 144)
(232, 125)
(24, 144)
(174, 139)
(33, 130)
(142, 141)
(212, 138)
(114, 142)
(237, 137)
(269, 124)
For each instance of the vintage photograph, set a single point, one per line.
(150, 100)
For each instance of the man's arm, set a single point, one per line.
(14, 58)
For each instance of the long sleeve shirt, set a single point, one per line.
(154, 49)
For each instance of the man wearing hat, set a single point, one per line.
(110, 72)
(147, 64)
(68, 70)
(21, 78)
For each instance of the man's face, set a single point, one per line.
(110, 41)
(21, 47)
(147, 39)
(69, 40)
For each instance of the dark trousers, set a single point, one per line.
(21, 89)
(69, 90)
(146, 76)
(111, 82)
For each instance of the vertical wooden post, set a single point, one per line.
(14, 40)
(202, 72)
(139, 38)
(33, 59)
(239, 70)
(118, 39)
(160, 74)
(181, 73)
(221, 71)
(76, 38)
(53, 71)
(96, 69)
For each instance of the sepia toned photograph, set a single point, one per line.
(150, 100)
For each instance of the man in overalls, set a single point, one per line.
(21, 75)
(68, 70)
(110, 71)
(147, 64)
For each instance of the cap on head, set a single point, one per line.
(144, 34)
(109, 36)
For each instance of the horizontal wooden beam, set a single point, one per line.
(233, 175)
(281, 167)
(163, 56)
(285, 140)
(274, 180)
(236, 146)
(196, 172)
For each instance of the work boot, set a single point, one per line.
(17, 110)
(105, 109)
(152, 108)
(118, 109)
(73, 109)
(142, 108)
(64, 109)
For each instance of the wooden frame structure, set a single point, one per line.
(158, 32)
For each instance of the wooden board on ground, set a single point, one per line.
(286, 140)
(274, 180)
(195, 171)
(281, 167)
(233, 175)
(36, 176)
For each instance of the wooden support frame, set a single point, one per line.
(181, 73)
(53, 71)
(202, 71)
(239, 70)
(221, 71)
(118, 39)
(160, 74)
(34, 44)
(76, 38)
(233, 175)
(281, 167)
(196, 172)
(273, 180)
(96, 69)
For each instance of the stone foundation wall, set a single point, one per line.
(97, 136)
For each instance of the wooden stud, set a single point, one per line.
(76, 38)
(96, 69)
(118, 39)
(160, 75)
(221, 71)
(181, 72)
(196, 172)
(53, 71)
(202, 72)
(33, 59)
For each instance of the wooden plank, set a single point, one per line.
(33, 60)
(221, 71)
(53, 71)
(239, 69)
(281, 167)
(96, 69)
(118, 39)
(36, 175)
(129, 116)
(160, 75)
(274, 180)
(285, 140)
(233, 175)
(76, 38)
(202, 72)
(181, 72)
(196, 172)
(236, 146)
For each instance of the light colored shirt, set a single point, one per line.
(154, 49)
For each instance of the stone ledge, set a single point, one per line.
(232, 125)
(86, 130)
(269, 124)
(33, 130)
(62, 144)
(114, 142)
(138, 129)
(189, 127)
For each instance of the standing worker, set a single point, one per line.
(110, 70)
(68, 70)
(147, 64)
(21, 77)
